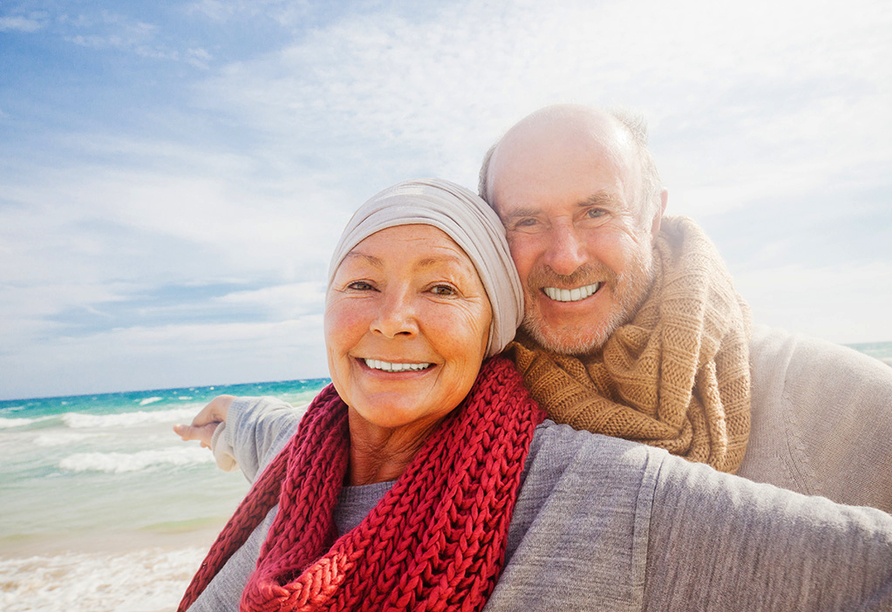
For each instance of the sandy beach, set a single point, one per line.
(132, 572)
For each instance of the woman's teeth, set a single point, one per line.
(571, 295)
(376, 364)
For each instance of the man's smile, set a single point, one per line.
(571, 295)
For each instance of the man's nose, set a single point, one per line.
(395, 315)
(567, 250)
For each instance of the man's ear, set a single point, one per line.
(658, 217)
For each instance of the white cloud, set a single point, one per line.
(766, 110)
(842, 303)
(114, 31)
(174, 355)
(385, 79)
(198, 57)
(18, 23)
(284, 12)
(285, 301)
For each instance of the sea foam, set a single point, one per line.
(50, 440)
(10, 423)
(118, 463)
(149, 579)
(78, 420)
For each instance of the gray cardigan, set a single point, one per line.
(605, 524)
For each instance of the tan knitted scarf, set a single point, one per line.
(677, 376)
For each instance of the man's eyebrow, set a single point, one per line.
(601, 198)
(522, 211)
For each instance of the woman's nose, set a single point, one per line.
(395, 316)
(566, 250)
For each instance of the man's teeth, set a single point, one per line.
(571, 295)
(376, 364)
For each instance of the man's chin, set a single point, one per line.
(566, 341)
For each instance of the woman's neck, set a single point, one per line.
(379, 454)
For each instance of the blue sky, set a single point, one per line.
(174, 175)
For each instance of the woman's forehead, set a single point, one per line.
(414, 238)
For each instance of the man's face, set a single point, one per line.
(573, 218)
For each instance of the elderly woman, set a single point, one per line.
(425, 477)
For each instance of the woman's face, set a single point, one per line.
(406, 327)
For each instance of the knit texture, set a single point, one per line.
(677, 376)
(435, 541)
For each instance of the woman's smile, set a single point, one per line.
(395, 367)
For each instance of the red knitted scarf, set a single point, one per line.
(435, 541)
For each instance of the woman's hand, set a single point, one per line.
(206, 421)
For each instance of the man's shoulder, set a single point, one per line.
(783, 360)
(821, 419)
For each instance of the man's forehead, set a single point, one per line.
(541, 160)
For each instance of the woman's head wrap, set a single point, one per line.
(465, 218)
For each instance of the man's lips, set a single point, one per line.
(387, 366)
(571, 295)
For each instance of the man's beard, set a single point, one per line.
(629, 290)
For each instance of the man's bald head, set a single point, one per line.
(553, 126)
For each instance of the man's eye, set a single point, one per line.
(527, 223)
(594, 213)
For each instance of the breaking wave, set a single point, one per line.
(118, 463)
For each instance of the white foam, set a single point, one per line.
(77, 420)
(142, 580)
(118, 463)
(49, 440)
(150, 400)
(10, 423)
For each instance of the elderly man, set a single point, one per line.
(633, 328)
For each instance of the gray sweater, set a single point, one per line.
(821, 419)
(605, 524)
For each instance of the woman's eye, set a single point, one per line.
(443, 290)
(360, 286)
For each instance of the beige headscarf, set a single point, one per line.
(465, 218)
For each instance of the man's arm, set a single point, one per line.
(718, 542)
(821, 419)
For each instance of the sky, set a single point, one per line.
(174, 175)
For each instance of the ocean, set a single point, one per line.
(103, 507)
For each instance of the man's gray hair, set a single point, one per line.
(651, 185)
(636, 126)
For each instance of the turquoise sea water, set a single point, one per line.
(97, 491)
(103, 507)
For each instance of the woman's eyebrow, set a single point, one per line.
(447, 257)
(369, 259)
